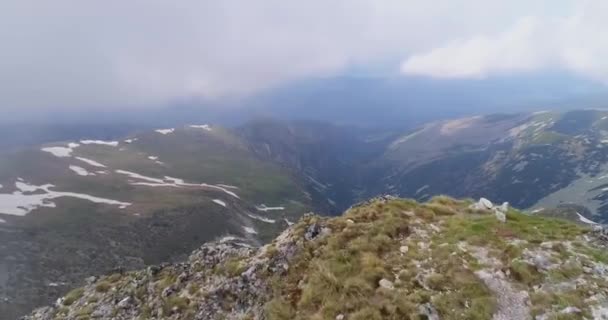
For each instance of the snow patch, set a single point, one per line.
(165, 131)
(171, 182)
(139, 176)
(80, 171)
(227, 186)
(22, 201)
(250, 230)
(260, 218)
(91, 162)
(220, 202)
(584, 220)
(61, 152)
(201, 126)
(100, 142)
(264, 208)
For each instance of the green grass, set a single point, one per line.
(72, 296)
(343, 270)
(103, 286)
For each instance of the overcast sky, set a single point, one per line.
(138, 53)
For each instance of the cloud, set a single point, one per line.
(573, 42)
(141, 53)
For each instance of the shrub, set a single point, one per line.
(524, 273)
(72, 296)
(103, 286)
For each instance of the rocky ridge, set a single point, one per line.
(387, 258)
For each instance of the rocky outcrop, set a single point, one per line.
(387, 258)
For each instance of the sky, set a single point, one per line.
(113, 54)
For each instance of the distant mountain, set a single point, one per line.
(532, 160)
(76, 208)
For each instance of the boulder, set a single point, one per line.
(429, 311)
(482, 204)
(500, 216)
(503, 208)
(485, 204)
(386, 284)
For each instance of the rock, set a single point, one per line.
(538, 258)
(482, 204)
(429, 311)
(386, 284)
(312, 232)
(571, 310)
(485, 204)
(103, 311)
(504, 207)
(125, 303)
(404, 249)
(90, 280)
(500, 216)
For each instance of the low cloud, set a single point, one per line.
(573, 42)
(141, 53)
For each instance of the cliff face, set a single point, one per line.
(387, 258)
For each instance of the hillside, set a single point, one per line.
(531, 160)
(387, 258)
(72, 209)
(539, 160)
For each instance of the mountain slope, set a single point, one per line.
(537, 160)
(384, 259)
(544, 159)
(69, 210)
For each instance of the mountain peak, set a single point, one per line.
(387, 258)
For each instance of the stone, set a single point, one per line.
(90, 280)
(504, 207)
(485, 204)
(482, 204)
(103, 311)
(429, 311)
(386, 284)
(538, 258)
(571, 310)
(312, 232)
(404, 249)
(500, 216)
(124, 303)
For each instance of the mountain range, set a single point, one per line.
(85, 207)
